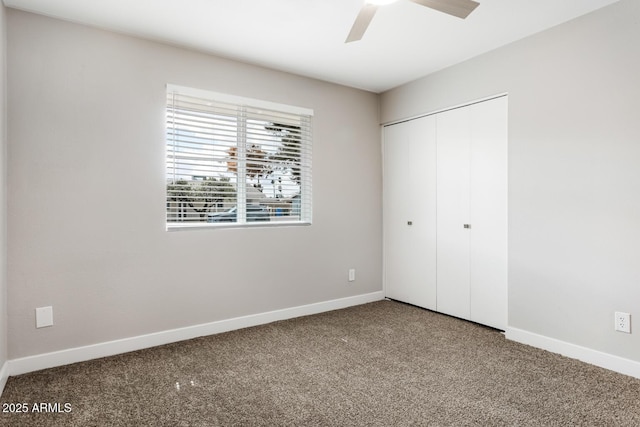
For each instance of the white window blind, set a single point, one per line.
(235, 161)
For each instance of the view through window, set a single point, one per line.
(235, 161)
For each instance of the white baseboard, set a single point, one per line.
(4, 376)
(111, 348)
(588, 355)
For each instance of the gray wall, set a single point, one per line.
(3, 191)
(574, 170)
(86, 193)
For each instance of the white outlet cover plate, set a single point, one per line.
(623, 322)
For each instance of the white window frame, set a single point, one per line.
(255, 107)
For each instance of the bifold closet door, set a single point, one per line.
(453, 176)
(472, 212)
(409, 212)
(488, 213)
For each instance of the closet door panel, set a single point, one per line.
(488, 196)
(397, 252)
(422, 167)
(410, 212)
(453, 140)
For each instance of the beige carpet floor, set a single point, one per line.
(380, 364)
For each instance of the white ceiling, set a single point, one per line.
(405, 41)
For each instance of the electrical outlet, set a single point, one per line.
(623, 322)
(352, 274)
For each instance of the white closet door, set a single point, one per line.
(453, 240)
(396, 210)
(488, 196)
(410, 212)
(422, 166)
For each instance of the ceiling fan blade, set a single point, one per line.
(362, 22)
(459, 8)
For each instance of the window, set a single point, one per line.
(235, 161)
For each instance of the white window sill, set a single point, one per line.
(227, 225)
